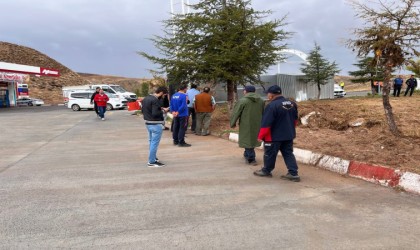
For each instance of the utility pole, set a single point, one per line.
(180, 7)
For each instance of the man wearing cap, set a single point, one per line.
(278, 131)
(248, 110)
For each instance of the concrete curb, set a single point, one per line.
(381, 175)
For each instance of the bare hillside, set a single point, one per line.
(49, 88)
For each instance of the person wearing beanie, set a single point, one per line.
(248, 111)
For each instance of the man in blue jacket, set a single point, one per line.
(278, 131)
(179, 109)
(398, 82)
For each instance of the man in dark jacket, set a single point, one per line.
(278, 131)
(93, 102)
(248, 110)
(411, 85)
(153, 116)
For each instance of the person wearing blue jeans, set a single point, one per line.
(155, 134)
(153, 117)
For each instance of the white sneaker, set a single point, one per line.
(103, 119)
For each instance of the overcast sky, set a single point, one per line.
(98, 36)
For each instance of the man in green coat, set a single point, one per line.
(248, 110)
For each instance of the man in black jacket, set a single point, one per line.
(93, 102)
(153, 116)
(411, 85)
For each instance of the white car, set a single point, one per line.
(26, 101)
(338, 91)
(81, 100)
(37, 102)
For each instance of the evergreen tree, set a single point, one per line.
(219, 41)
(414, 66)
(367, 72)
(318, 70)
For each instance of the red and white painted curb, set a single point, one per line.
(372, 173)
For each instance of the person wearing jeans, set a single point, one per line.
(153, 117)
(101, 100)
(192, 92)
(155, 134)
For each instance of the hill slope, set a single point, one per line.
(49, 88)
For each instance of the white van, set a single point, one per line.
(109, 89)
(69, 89)
(78, 100)
(117, 90)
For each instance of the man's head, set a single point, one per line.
(183, 88)
(412, 76)
(249, 89)
(273, 92)
(101, 91)
(160, 91)
(97, 89)
(206, 90)
(193, 85)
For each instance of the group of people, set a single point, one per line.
(99, 99)
(273, 124)
(411, 85)
(182, 105)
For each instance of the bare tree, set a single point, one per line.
(391, 32)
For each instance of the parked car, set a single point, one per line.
(37, 102)
(81, 100)
(338, 91)
(24, 101)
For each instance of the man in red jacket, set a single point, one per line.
(101, 99)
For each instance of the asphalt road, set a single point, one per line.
(69, 180)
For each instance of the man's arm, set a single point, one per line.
(266, 123)
(236, 114)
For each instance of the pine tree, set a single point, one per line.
(414, 66)
(219, 41)
(318, 70)
(367, 72)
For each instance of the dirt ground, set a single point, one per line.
(329, 131)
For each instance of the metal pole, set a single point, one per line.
(183, 7)
(188, 6)
(172, 8)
